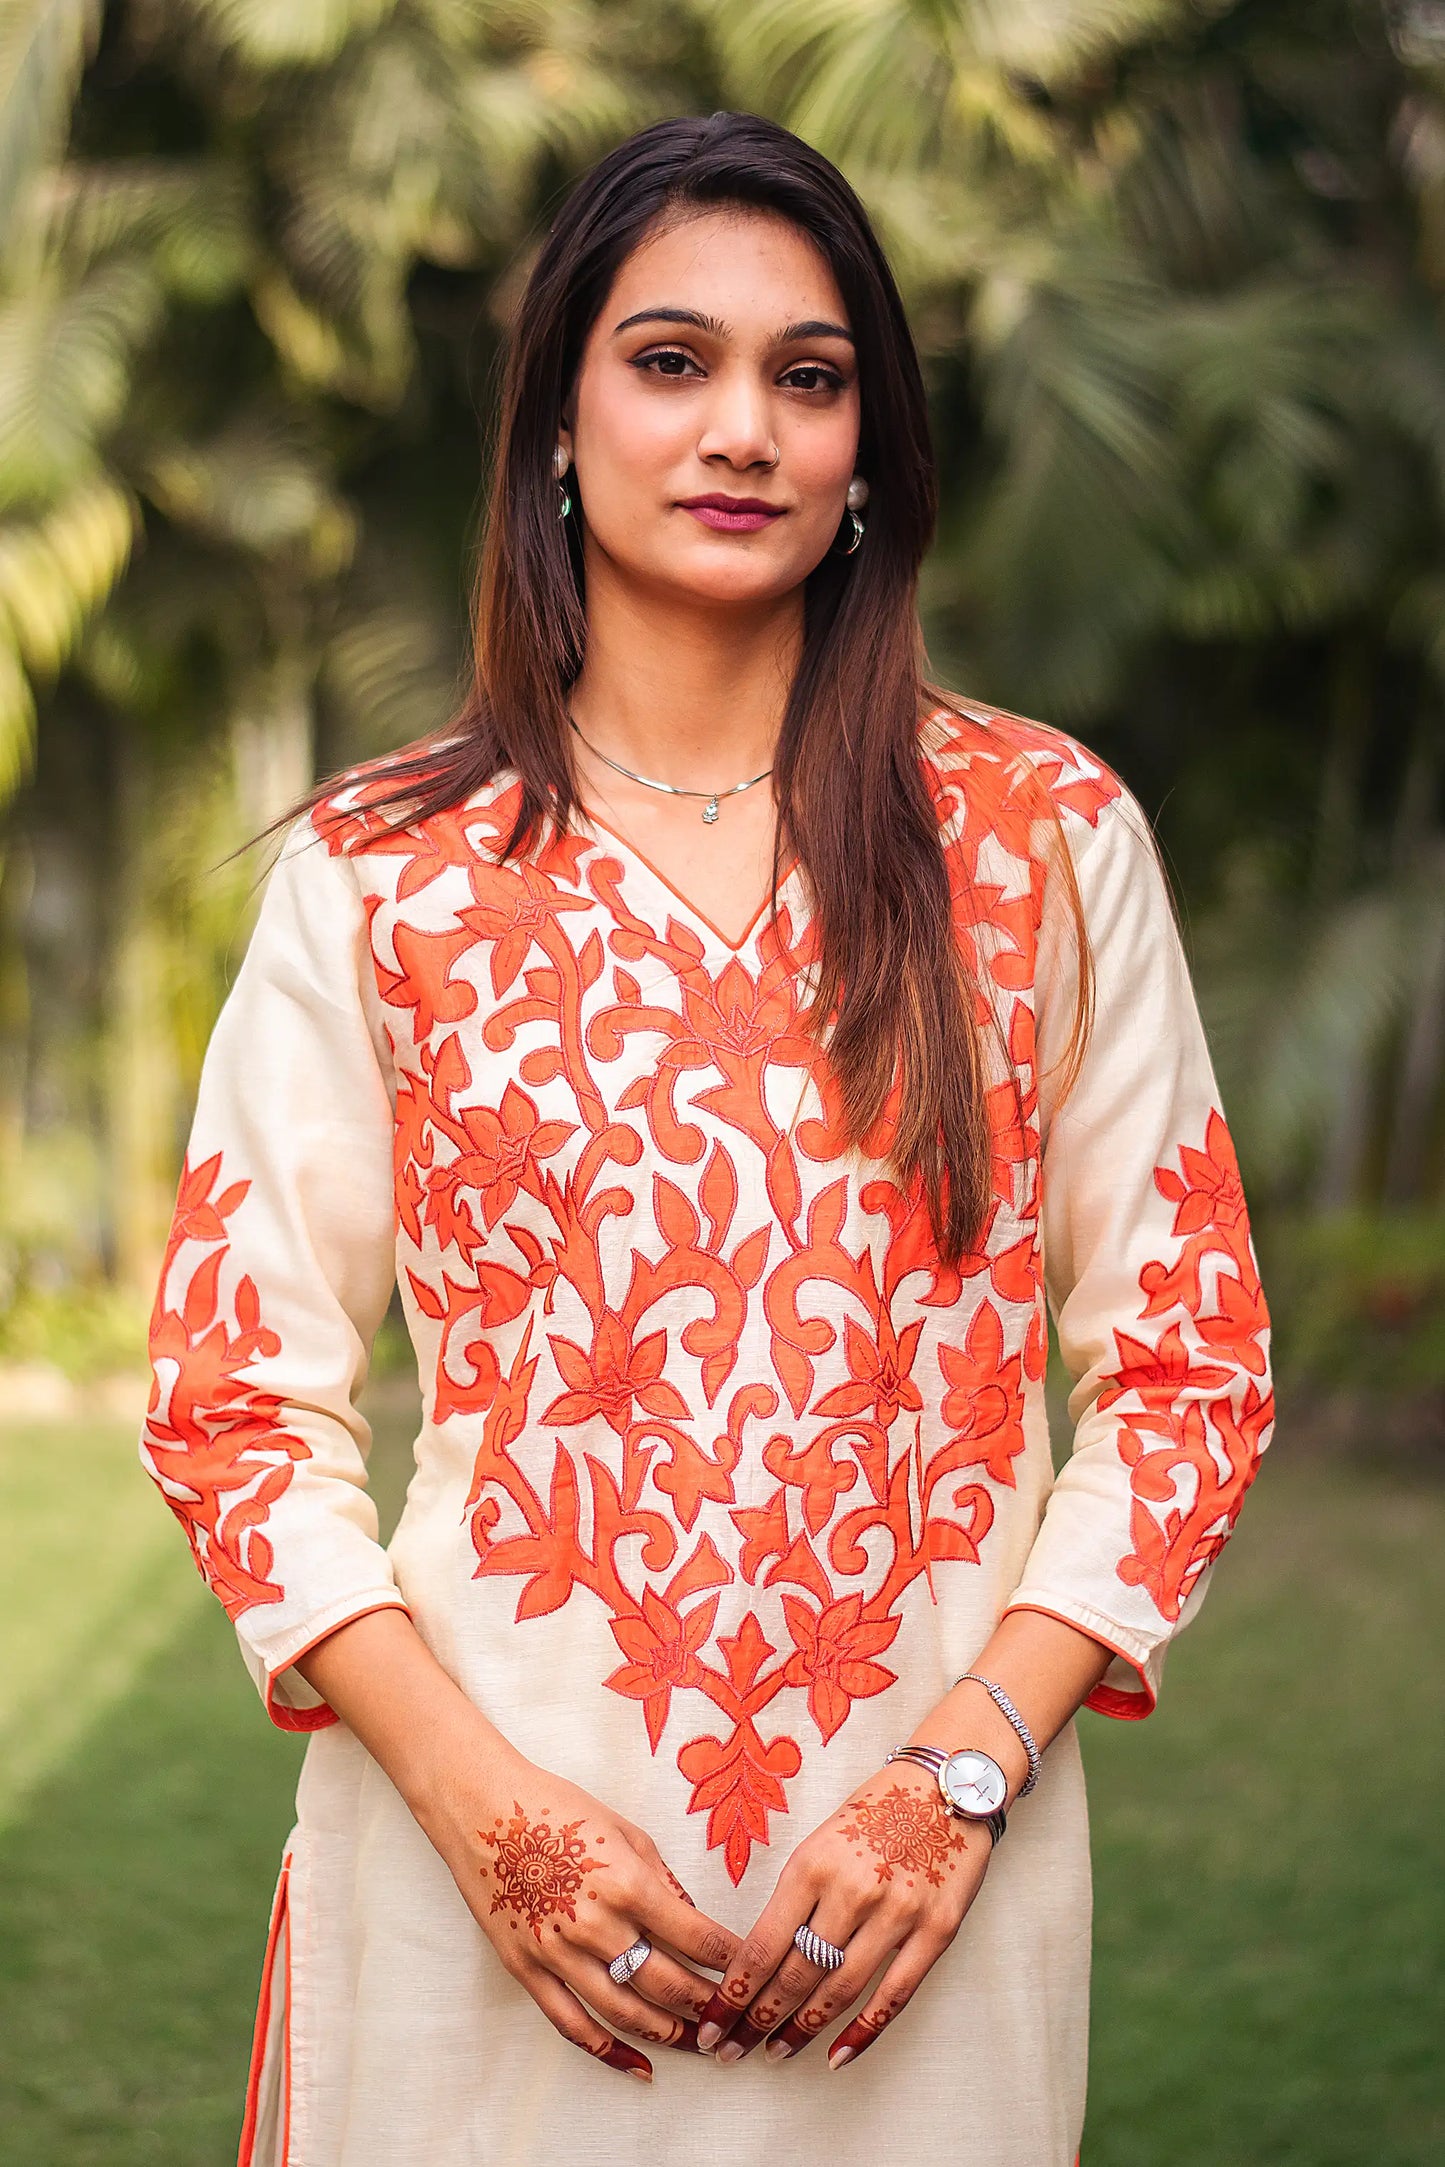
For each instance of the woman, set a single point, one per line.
(732, 1046)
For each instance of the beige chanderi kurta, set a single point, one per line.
(721, 1480)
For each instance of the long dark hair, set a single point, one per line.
(852, 797)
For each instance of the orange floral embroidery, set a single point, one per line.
(215, 1443)
(1188, 1484)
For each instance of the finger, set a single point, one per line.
(567, 2014)
(661, 1979)
(894, 1991)
(623, 2006)
(646, 1848)
(871, 1942)
(757, 1956)
(910, 1966)
(664, 1915)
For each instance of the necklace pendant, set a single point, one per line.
(709, 811)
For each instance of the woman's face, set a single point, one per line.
(720, 374)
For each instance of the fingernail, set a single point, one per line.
(708, 2036)
(729, 2051)
(621, 2056)
(839, 2056)
(777, 2050)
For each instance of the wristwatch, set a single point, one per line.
(972, 1784)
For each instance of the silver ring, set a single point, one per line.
(825, 1954)
(631, 1960)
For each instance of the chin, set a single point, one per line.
(737, 585)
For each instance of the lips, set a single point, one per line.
(732, 515)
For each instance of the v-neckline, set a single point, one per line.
(699, 917)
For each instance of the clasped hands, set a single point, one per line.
(562, 1885)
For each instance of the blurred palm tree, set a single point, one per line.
(1176, 266)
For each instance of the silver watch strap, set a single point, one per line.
(927, 1756)
(1006, 1708)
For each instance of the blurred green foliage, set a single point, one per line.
(1177, 270)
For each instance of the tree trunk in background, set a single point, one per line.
(141, 1078)
(273, 739)
(17, 879)
(159, 918)
(1421, 1064)
(1337, 819)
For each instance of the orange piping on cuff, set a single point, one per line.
(321, 1717)
(1105, 1700)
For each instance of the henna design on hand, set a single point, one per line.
(538, 1870)
(908, 1831)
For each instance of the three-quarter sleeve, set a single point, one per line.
(1150, 1272)
(277, 1273)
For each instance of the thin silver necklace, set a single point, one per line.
(709, 811)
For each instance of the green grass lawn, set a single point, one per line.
(1270, 1846)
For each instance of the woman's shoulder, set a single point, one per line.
(376, 805)
(1015, 767)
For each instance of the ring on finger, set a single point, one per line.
(825, 1954)
(631, 1960)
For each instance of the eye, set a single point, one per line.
(813, 376)
(665, 361)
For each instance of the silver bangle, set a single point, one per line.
(1006, 1707)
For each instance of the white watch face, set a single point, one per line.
(973, 1783)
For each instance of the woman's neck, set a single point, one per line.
(686, 694)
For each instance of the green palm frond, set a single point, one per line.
(958, 78)
(190, 219)
(1052, 40)
(267, 34)
(55, 573)
(818, 63)
(382, 162)
(1300, 513)
(43, 47)
(1069, 552)
(1418, 618)
(390, 675)
(66, 361)
(1300, 1002)
(259, 486)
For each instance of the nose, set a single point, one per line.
(737, 427)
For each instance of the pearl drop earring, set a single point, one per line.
(856, 499)
(560, 464)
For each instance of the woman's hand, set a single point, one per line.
(560, 1885)
(891, 1874)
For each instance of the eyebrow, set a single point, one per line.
(814, 327)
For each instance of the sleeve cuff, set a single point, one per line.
(1129, 1688)
(290, 1702)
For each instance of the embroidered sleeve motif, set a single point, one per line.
(213, 1442)
(1198, 1407)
